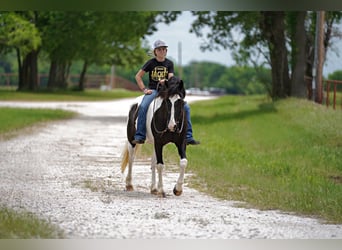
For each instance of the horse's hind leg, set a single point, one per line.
(154, 189)
(131, 154)
(132, 116)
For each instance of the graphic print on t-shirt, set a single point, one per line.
(159, 73)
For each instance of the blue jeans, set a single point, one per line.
(140, 134)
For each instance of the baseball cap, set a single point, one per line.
(159, 43)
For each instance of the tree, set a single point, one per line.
(298, 43)
(21, 34)
(267, 33)
(262, 33)
(234, 79)
(273, 29)
(94, 37)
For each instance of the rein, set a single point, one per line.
(154, 121)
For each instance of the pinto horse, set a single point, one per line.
(166, 123)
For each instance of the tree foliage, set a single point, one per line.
(284, 40)
(234, 80)
(66, 36)
(18, 33)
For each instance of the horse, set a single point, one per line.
(165, 123)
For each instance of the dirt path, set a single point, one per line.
(68, 172)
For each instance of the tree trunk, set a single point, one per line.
(52, 74)
(298, 83)
(82, 76)
(57, 75)
(310, 56)
(20, 71)
(28, 72)
(273, 29)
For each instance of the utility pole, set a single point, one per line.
(319, 58)
(180, 70)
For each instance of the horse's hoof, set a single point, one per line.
(129, 188)
(163, 194)
(154, 191)
(176, 192)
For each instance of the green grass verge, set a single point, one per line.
(15, 119)
(7, 94)
(25, 225)
(285, 155)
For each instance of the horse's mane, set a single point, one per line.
(172, 87)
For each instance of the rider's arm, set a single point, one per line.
(138, 79)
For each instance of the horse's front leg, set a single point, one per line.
(178, 189)
(160, 167)
(154, 189)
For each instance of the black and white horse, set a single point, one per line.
(165, 123)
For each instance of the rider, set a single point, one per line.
(160, 69)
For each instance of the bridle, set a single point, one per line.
(168, 120)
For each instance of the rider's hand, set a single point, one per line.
(147, 91)
(162, 81)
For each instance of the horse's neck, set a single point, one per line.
(157, 102)
(155, 105)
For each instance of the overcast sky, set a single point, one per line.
(178, 32)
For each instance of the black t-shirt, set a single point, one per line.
(157, 71)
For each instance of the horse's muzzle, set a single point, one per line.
(172, 128)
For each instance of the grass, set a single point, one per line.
(14, 119)
(25, 225)
(285, 155)
(7, 94)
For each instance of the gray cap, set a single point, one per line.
(159, 43)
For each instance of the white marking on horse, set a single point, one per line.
(172, 123)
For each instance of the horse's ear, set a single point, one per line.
(181, 88)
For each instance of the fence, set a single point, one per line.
(329, 86)
(337, 92)
(91, 81)
(8, 79)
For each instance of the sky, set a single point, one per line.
(178, 33)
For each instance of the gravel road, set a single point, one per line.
(69, 173)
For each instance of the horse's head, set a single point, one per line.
(175, 86)
(172, 109)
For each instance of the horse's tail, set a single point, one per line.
(125, 155)
(124, 158)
